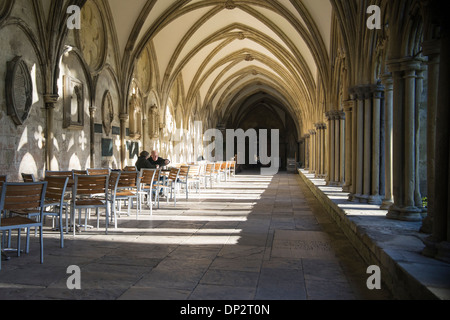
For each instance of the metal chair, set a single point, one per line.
(183, 178)
(127, 189)
(194, 176)
(19, 196)
(55, 198)
(169, 183)
(113, 183)
(146, 186)
(86, 192)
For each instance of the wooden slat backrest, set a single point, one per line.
(80, 172)
(209, 168)
(194, 170)
(184, 171)
(87, 185)
(128, 179)
(28, 177)
(147, 176)
(173, 174)
(68, 174)
(100, 171)
(223, 165)
(217, 166)
(130, 168)
(56, 187)
(113, 179)
(24, 195)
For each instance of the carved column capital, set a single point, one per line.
(124, 117)
(50, 99)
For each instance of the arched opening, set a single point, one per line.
(255, 115)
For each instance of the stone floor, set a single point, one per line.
(253, 238)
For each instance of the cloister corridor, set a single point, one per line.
(252, 238)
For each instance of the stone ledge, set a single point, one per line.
(395, 246)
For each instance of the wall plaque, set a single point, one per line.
(73, 103)
(107, 112)
(19, 90)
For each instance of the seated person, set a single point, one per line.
(143, 163)
(157, 161)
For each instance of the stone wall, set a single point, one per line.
(21, 146)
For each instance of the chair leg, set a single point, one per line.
(18, 242)
(98, 218)
(41, 241)
(61, 229)
(106, 219)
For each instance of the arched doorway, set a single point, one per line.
(265, 113)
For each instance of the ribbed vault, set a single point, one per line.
(222, 52)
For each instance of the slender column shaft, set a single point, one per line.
(367, 143)
(359, 147)
(376, 132)
(388, 105)
(123, 135)
(318, 149)
(336, 147)
(404, 76)
(353, 189)
(348, 145)
(324, 150)
(342, 148)
(332, 149)
(417, 124)
(431, 49)
(50, 100)
(410, 78)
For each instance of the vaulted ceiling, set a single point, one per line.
(226, 51)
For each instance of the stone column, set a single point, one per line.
(404, 76)
(324, 151)
(441, 217)
(438, 244)
(419, 90)
(388, 105)
(354, 139)
(307, 152)
(367, 163)
(374, 197)
(431, 49)
(312, 160)
(301, 152)
(348, 108)
(337, 139)
(342, 148)
(331, 155)
(123, 137)
(50, 101)
(92, 110)
(318, 149)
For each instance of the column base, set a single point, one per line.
(374, 199)
(346, 188)
(439, 250)
(427, 225)
(386, 204)
(406, 213)
(355, 197)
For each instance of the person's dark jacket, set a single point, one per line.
(160, 162)
(143, 163)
